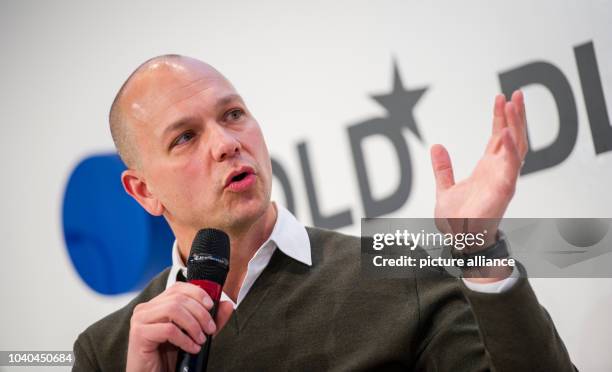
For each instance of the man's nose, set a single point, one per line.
(224, 143)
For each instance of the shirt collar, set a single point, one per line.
(289, 235)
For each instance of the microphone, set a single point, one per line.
(207, 268)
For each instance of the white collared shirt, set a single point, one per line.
(290, 236)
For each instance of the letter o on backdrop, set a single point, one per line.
(114, 244)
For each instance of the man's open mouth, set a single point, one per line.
(240, 179)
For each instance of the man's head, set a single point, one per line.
(184, 132)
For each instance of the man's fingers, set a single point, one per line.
(514, 122)
(499, 116)
(442, 167)
(176, 313)
(192, 291)
(519, 100)
(511, 151)
(499, 123)
(224, 313)
(200, 313)
(168, 332)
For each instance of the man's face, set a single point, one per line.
(201, 153)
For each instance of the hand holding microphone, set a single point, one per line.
(183, 314)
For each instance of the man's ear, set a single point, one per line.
(137, 188)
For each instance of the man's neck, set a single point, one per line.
(249, 242)
(245, 243)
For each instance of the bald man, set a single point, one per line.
(294, 298)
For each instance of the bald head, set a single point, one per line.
(136, 98)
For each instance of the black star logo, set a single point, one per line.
(400, 103)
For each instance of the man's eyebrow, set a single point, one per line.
(228, 99)
(178, 124)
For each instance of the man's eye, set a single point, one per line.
(235, 114)
(184, 137)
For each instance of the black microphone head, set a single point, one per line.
(211, 241)
(209, 256)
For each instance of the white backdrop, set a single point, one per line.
(307, 70)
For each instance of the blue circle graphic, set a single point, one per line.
(114, 244)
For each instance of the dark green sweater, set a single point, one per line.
(329, 317)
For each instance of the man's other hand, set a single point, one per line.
(179, 316)
(486, 193)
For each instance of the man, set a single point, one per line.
(294, 298)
